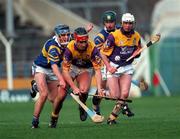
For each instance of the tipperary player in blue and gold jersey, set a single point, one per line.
(109, 22)
(80, 58)
(119, 46)
(47, 74)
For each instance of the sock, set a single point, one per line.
(83, 97)
(54, 115)
(116, 110)
(96, 102)
(136, 82)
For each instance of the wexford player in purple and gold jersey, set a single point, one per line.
(47, 74)
(109, 22)
(119, 46)
(80, 58)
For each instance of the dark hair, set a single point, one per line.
(80, 31)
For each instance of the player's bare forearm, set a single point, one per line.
(105, 60)
(89, 27)
(68, 79)
(98, 79)
(110, 68)
(58, 74)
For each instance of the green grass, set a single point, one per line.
(155, 117)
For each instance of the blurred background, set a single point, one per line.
(26, 24)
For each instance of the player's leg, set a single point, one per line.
(84, 82)
(40, 79)
(97, 100)
(125, 84)
(56, 96)
(114, 89)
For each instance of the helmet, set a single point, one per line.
(127, 17)
(80, 34)
(61, 29)
(109, 16)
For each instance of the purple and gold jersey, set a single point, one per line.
(52, 53)
(101, 37)
(84, 59)
(118, 47)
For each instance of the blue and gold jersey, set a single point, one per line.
(101, 37)
(84, 59)
(118, 47)
(52, 53)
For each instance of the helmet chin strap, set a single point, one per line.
(109, 30)
(64, 43)
(127, 32)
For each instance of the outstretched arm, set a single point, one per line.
(58, 74)
(98, 77)
(89, 27)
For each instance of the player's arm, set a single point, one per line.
(53, 57)
(58, 74)
(97, 63)
(66, 67)
(106, 51)
(138, 48)
(89, 27)
(99, 41)
(98, 77)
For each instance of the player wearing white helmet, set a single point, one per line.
(119, 46)
(109, 22)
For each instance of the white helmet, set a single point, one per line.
(127, 17)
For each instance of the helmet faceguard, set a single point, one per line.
(128, 23)
(63, 33)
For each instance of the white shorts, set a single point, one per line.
(128, 69)
(75, 71)
(50, 76)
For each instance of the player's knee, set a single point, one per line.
(125, 95)
(84, 90)
(43, 96)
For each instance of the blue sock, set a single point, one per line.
(135, 82)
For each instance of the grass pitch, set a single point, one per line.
(155, 117)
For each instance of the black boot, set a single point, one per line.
(82, 112)
(126, 111)
(34, 90)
